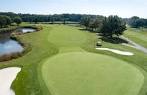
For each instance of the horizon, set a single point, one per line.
(124, 9)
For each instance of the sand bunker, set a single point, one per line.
(7, 76)
(124, 44)
(117, 51)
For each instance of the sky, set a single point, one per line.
(122, 8)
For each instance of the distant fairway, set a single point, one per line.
(81, 73)
(66, 36)
(137, 35)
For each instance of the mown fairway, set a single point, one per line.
(84, 73)
(63, 60)
(137, 35)
(66, 36)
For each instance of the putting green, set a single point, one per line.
(82, 73)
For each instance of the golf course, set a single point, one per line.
(63, 60)
(73, 47)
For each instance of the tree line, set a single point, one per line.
(5, 21)
(47, 18)
(107, 26)
(136, 22)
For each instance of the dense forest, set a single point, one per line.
(48, 18)
(89, 21)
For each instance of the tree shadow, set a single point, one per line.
(114, 40)
(92, 31)
(83, 29)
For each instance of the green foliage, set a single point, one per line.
(85, 21)
(10, 29)
(113, 25)
(92, 23)
(5, 21)
(35, 20)
(36, 27)
(95, 24)
(137, 22)
(8, 20)
(17, 20)
(49, 18)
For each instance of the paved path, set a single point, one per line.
(135, 45)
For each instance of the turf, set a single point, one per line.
(81, 73)
(48, 43)
(27, 82)
(66, 36)
(72, 39)
(137, 35)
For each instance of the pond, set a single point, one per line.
(27, 30)
(9, 46)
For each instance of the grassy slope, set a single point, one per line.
(27, 81)
(137, 35)
(81, 73)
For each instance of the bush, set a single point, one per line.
(36, 27)
(5, 21)
(4, 30)
(17, 20)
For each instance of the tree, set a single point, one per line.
(2, 21)
(65, 18)
(95, 24)
(113, 25)
(85, 21)
(5, 21)
(52, 19)
(134, 22)
(35, 20)
(8, 20)
(17, 20)
(137, 22)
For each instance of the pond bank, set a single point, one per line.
(11, 46)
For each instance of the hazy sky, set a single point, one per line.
(123, 8)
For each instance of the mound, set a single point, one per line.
(81, 73)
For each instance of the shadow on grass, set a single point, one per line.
(83, 29)
(114, 40)
(92, 31)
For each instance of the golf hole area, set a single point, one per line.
(83, 73)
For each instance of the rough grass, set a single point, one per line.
(27, 81)
(137, 35)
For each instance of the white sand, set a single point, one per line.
(117, 51)
(128, 45)
(7, 76)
